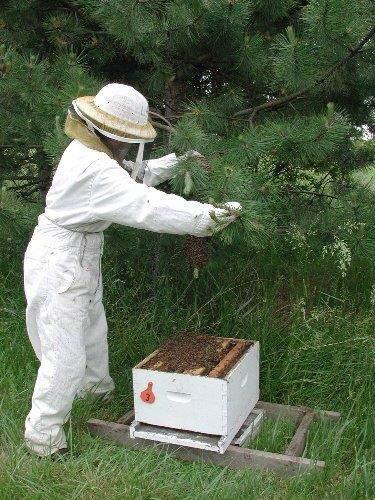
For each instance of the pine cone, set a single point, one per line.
(197, 251)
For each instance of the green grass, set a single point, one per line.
(274, 435)
(321, 355)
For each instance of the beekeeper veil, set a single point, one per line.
(118, 112)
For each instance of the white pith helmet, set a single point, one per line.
(119, 112)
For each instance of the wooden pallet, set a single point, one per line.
(236, 456)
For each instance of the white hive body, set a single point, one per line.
(171, 407)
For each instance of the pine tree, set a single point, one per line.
(273, 93)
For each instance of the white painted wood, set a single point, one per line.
(214, 406)
(182, 401)
(250, 428)
(174, 436)
(243, 389)
(219, 444)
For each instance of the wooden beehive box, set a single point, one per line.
(198, 383)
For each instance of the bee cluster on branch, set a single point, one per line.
(197, 252)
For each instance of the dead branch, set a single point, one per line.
(162, 118)
(161, 126)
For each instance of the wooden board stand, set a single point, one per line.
(236, 456)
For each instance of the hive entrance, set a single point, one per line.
(197, 354)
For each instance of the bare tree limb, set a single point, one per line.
(161, 117)
(161, 126)
(277, 103)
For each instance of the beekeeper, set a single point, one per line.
(91, 189)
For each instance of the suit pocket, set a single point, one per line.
(34, 277)
(62, 270)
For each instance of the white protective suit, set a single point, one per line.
(65, 317)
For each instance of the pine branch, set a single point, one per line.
(188, 25)
(20, 178)
(25, 195)
(324, 25)
(81, 16)
(17, 145)
(276, 103)
(71, 7)
(22, 187)
(312, 193)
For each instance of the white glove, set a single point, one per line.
(154, 172)
(190, 154)
(225, 215)
(129, 167)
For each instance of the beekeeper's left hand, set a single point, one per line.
(190, 154)
(225, 214)
(130, 165)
